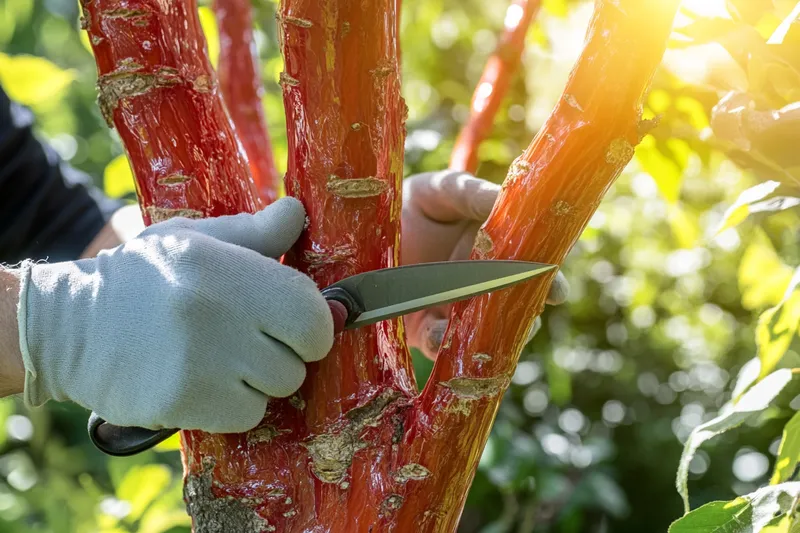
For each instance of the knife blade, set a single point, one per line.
(365, 299)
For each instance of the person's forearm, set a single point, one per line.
(12, 371)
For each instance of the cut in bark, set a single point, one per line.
(357, 450)
(240, 83)
(494, 84)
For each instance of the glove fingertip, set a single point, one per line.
(485, 198)
(559, 290)
(282, 222)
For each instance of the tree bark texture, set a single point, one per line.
(357, 449)
(494, 84)
(240, 83)
(156, 86)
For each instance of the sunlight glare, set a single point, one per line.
(700, 8)
(706, 8)
(513, 16)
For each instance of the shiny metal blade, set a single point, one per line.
(391, 292)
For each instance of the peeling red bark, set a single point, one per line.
(240, 83)
(494, 84)
(157, 87)
(357, 450)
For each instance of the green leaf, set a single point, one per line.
(747, 514)
(118, 178)
(740, 210)
(169, 445)
(141, 486)
(33, 81)
(781, 524)
(716, 517)
(789, 452)
(763, 277)
(747, 376)
(752, 403)
(211, 31)
(777, 327)
(684, 226)
(666, 162)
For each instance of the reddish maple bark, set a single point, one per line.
(157, 87)
(308, 466)
(493, 85)
(240, 83)
(547, 199)
(357, 450)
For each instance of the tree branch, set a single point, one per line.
(240, 83)
(494, 84)
(550, 194)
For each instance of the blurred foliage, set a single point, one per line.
(683, 288)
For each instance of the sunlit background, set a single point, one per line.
(660, 318)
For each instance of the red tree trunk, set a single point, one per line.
(357, 450)
(240, 83)
(494, 84)
(156, 85)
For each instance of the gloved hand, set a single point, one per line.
(189, 325)
(442, 213)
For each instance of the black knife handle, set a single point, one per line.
(121, 441)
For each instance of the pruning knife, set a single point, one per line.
(359, 301)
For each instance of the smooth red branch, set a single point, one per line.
(494, 84)
(550, 194)
(157, 87)
(240, 83)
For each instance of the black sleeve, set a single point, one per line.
(48, 210)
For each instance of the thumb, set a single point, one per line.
(270, 232)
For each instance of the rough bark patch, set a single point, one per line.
(469, 390)
(173, 179)
(619, 152)
(561, 208)
(160, 214)
(411, 472)
(122, 84)
(332, 453)
(481, 357)
(356, 187)
(573, 102)
(265, 434)
(477, 388)
(483, 243)
(519, 169)
(297, 402)
(218, 515)
(285, 79)
(329, 256)
(392, 503)
(124, 13)
(646, 125)
(296, 21)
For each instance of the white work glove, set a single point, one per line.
(189, 325)
(442, 213)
